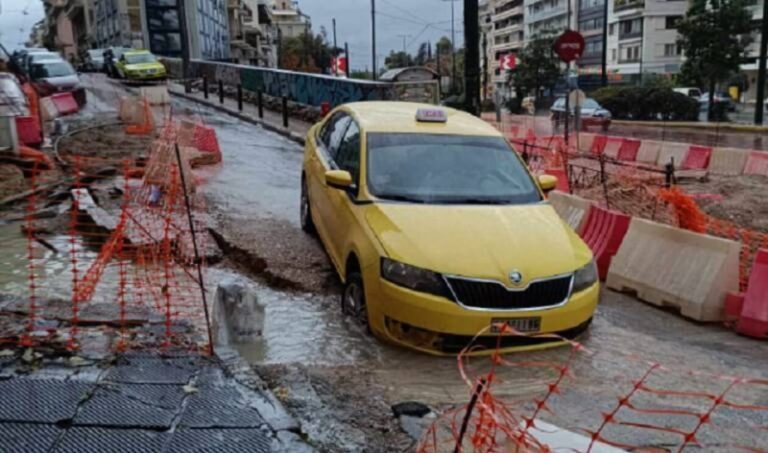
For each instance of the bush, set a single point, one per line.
(514, 105)
(648, 103)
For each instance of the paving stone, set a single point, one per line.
(155, 370)
(220, 441)
(47, 401)
(77, 440)
(29, 438)
(132, 406)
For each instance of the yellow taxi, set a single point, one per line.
(439, 231)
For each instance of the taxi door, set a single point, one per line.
(342, 221)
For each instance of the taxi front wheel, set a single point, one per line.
(353, 299)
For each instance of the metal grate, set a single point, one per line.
(495, 296)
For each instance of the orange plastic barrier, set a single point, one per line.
(146, 126)
(562, 179)
(598, 145)
(65, 103)
(757, 163)
(28, 130)
(697, 158)
(629, 149)
(603, 231)
(205, 139)
(754, 314)
(613, 146)
(734, 303)
(43, 161)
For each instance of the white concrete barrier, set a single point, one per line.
(728, 161)
(571, 208)
(586, 139)
(649, 152)
(9, 140)
(48, 109)
(157, 95)
(612, 147)
(672, 150)
(668, 266)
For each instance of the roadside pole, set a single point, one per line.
(346, 55)
(185, 72)
(471, 56)
(759, 102)
(373, 37)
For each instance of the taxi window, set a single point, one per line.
(333, 132)
(348, 156)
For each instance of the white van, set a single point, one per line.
(688, 91)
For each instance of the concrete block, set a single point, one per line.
(157, 95)
(649, 152)
(672, 150)
(9, 140)
(757, 163)
(48, 109)
(668, 266)
(728, 161)
(585, 142)
(130, 111)
(612, 147)
(571, 208)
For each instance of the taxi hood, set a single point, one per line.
(481, 241)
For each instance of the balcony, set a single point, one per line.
(516, 44)
(546, 14)
(512, 27)
(516, 11)
(623, 5)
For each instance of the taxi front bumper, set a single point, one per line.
(437, 325)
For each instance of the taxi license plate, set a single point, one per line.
(523, 325)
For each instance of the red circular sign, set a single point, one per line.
(569, 46)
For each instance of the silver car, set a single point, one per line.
(54, 76)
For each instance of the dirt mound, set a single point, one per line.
(11, 181)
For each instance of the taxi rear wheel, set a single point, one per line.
(353, 299)
(305, 212)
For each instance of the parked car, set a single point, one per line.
(439, 231)
(720, 98)
(31, 58)
(592, 114)
(56, 76)
(93, 60)
(140, 65)
(689, 91)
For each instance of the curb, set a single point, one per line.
(243, 117)
(695, 125)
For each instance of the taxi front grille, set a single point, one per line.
(489, 295)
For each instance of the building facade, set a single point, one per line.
(507, 37)
(289, 19)
(67, 27)
(260, 32)
(591, 22)
(642, 38)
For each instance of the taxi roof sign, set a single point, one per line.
(431, 115)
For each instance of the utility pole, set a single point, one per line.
(485, 66)
(471, 56)
(439, 71)
(604, 78)
(759, 105)
(429, 50)
(346, 55)
(306, 45)
(334, 38)
(453, 44)
(373, 37)
(184, 47)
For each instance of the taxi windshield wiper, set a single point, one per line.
(398, 197)
(475, 201)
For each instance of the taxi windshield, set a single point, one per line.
(436, 168)
(139, 58)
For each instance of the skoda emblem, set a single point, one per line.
(515, 277)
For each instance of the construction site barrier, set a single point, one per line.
(629, 150)
(649, 152)
(668, 266)
(65, 103)
(612, 147)
(156, 95)
(586, 139)
(728, 161)
(754, 315)
(734, 303)
(598, 144)
(571, 208)
(757, 163)
(670, 151)
(28, 131)
(604, 231)
(48, 109)
(697, 158)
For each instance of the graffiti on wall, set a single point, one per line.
(308, 89)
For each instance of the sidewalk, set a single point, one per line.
(273, 121)
(139, 402)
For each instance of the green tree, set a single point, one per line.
(714, 37)
(398, 60)
(538, 67)
(422, 56)
(307, 52)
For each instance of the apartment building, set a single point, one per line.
(67, 26)
(642, 38)
(548, 16)
(289, 19)
(507, 35)
(590, 23)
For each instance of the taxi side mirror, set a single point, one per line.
(339, 179)
(547, 183)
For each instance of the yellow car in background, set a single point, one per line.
(439, 231)
(140, 65)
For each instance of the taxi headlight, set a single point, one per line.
(413, 277)
(585, 277)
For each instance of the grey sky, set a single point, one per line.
(14, 24)
(423, 20)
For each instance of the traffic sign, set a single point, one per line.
(508, 62)
(569, 46)
(339, 65)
